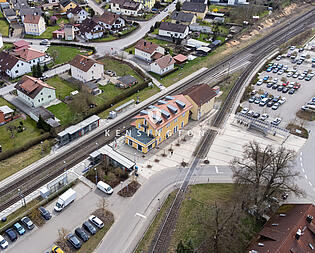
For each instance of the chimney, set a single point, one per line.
(298, 234)
(309, 218)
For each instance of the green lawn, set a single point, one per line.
(6, 46)
(120, 69)
(19, 139)
(64, 54)
(63, 88)
(64, 113)
(143, 95)
(4, 25)
(108, 37)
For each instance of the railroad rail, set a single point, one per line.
(53, 168)
(161, 240)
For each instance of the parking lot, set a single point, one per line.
(282, 88)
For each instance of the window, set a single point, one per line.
(49, 96)
(16, 71)
(17, 65)
(184, 114)
(175, 120)
(182, 124)
(139, 147)
(42, 99)
(139, 125)
(38, 100)
(150, 132)
(130, 142)
(41, 93)
(168, 125)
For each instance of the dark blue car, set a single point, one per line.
(11, 234)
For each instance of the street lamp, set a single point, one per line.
(95, 175)
(22, 197)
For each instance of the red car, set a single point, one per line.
(297, 86)
(285, 84)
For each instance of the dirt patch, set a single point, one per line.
(298, 130)
(130, 189)
(305, 115)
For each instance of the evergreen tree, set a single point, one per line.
(34, 71)
(178, 5)
(45, 68)
(41, 124)
(39, 70)
(180, 247)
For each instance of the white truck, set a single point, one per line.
(65, 199)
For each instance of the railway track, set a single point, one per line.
(161, 240)
(53, 168)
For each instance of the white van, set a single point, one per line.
(104, 187)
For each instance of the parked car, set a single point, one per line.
(96, 221)
(260, 82)
(56, 249)
(81, 234)
(264, 116)
(276, 99)
(282, 100)
(253, 93)
(275, 106)
(280, 88)
(308, 78)
(3, 242)
(292, 48)
(285, 90)
(44, 42)
(269, 104)
(276, 121)
(269, 69)
(244, 110)
(297, 86)
(275, 70)
(280, 72)
(257, 100)
(278, 58)
(256, 115)
(275, 86)
(252, 99)
(301, 77)
(266, 78)
(289, 74)
(74, 241)
(301, 49)
(89, 227)
(45, 213)
(269, 85)
(299, 62)
(17, 226)
(11, 234)
(291, 91)
(27, 223)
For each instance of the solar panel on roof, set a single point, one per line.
(165, 114)
(152, 107)
(172, 108)
(162, 102)
(180, 103)
(169, 98)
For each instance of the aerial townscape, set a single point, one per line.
(157, 126)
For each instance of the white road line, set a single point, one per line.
(300, 158)
(305, 176)
(303, 170)
(301, 164)
(216, 170)
(310, 183)
(141, 215)
(301, 153)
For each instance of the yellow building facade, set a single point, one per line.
(65, 6)
(153, 126)
(147, 3)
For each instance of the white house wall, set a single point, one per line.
(173, 34)
(94, 72)
(43, 98)
(19, 69)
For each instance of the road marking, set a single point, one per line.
(141, 215)
(305, 176)
(303, 170)
(301, 153)
(310, 183)
(301, 164)
(300, 158)
(216, 170)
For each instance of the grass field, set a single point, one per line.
(64, 54)
(188, 226)
(45, 35)
(6, 46)
(63, 88)
(19, 161)
(4, 25)
(64, 113)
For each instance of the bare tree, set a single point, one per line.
(102, 204)
(11, 128)
(265, 172)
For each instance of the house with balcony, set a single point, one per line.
(158, 122)
(89, 29)
(77, 14)
(163, 65)
(110, 21)
(30, 55)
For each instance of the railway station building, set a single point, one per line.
(73, 132)
(158, 122)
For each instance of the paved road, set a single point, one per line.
(126, 211)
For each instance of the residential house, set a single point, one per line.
(290, 229)
(147, 3)
(10, 15)
(110, 20)
(34, 92)
(199, 9)
(162, 65)
(180, 59)
(202, 98)
(184, 18)
(31, 56)
(158, 122)
(89, 29)
(229, 2)
(20, 45)
(126, 81)
(147, 49)
(126, 7)
(46, 115)
(4, 4)
(13, 66)
(59, 34)
(29, 11)
(50, 6)
(66, 5)
(6, 114)
(53, 1)
(1, 41)
(172, 30)
(34, 24)
(77, 14)
(86, 69)
(69, 32)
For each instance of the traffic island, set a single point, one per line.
(130, 189)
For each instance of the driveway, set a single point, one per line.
(7, 89)
(57, 71)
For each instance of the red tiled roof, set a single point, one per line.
(157, 111)
(146, 46)
(31, 86)
(200, 93)
(165, 61)
(28, 54)
(278, 234)
(83, 63)
(156, 55)
(107, 18)
(32, 19)
(21, 43)
(180, 58)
